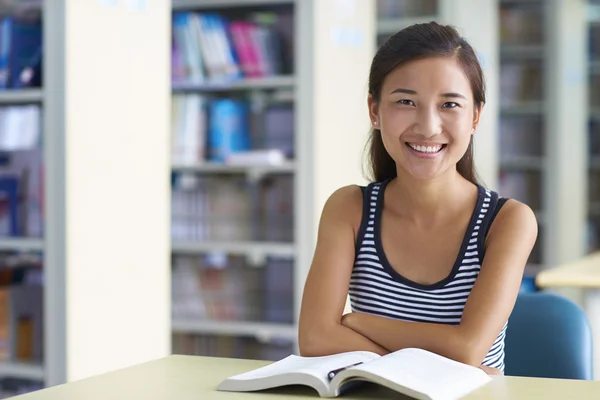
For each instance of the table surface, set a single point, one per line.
(193, 377)
(582, 273)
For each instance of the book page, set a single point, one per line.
(428, 373)
(317, 366)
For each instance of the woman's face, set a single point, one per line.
(426, 116)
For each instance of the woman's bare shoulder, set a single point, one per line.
(344, 206)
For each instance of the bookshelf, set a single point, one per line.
(522, 114)
(243, 229)
(22, 228)
(225, 238)
(543, 96)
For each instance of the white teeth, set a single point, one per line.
(426, 149)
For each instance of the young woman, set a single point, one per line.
(430, 258)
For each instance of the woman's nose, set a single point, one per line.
(428, 122)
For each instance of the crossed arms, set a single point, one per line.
(324, 330)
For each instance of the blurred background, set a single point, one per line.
(163, 165)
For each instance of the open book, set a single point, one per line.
(416, 373)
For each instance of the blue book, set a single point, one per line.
(228, 130)
(25, 60)
(5, 30)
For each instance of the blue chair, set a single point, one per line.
(548, 336)
(528, 284)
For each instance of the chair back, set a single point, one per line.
(548, 336)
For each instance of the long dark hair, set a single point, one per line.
(412, 43)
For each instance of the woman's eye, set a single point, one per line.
(406, 102)
(450, 104)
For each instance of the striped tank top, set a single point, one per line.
(376, 288)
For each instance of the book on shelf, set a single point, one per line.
(20, 52)
(230, 131)
(218, 287)
(209, 46)
(416, 373)
(524, 186)
(522, 23)
(20, 127)
(22, 193)
(387, 9)
(210, 208)
(21, 322)
(228, 128)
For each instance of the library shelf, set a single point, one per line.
(21, 244)
(21, 96)
(219, 168)
(185, 5)
(266, 83)
(261, 249)
(235, 328)
(23, 370)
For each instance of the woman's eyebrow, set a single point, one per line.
(410, 91)
(454, 95)
(402, 90)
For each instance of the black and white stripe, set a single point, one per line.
(376, 288)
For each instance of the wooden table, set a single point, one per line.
(194, 378)
(583, 274)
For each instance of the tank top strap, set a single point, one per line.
(492, 207)
(369, 210)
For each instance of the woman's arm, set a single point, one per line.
(320, 329)
(509, 243)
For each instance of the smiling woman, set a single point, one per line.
(430, 257)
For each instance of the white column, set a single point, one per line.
(335, 48)
(108, 91)
(565, 177)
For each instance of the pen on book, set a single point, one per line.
(333, 373)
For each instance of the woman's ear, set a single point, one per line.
(373, 112)
(476, 115)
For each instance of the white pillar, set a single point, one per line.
(107, 99)
(565, 171)
(336, 43)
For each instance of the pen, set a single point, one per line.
(334, 372)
